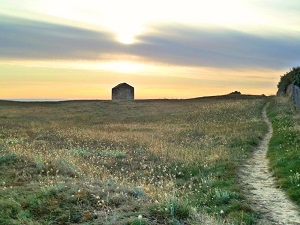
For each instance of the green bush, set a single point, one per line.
(291, 77)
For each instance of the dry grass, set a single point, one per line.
(117, 160)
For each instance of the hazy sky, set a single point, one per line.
(75, 49)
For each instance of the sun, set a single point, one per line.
(126, 39)
(127, 32)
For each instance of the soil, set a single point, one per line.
(269, 201)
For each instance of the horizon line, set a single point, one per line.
(95, 99)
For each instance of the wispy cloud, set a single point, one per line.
(26, 39)
(218, 47)
(171, 44)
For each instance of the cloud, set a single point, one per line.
(26, 39)
(169, 44)
(217, 48)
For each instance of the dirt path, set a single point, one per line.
(269, 201)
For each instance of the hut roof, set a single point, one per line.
(123, 85)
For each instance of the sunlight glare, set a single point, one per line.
(124, 66)
(126, 39)
(128, 19)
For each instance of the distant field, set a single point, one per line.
(127, 162)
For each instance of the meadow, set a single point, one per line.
(127, 162)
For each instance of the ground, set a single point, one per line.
(130, 162)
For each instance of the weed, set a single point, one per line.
(222, 196)
(113, 154)
(137, 192)
(81, 152)
(178, 209)
(295, 179)
(137, 221)
(7, 159)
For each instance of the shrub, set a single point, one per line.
(291, 77)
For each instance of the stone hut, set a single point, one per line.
(123, 91)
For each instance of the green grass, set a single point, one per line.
(127, 162)
(284, 152)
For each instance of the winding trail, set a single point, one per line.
(270, 202)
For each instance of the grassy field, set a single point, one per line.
(284, 152)
(127, 162)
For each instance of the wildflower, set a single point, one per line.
(140, 217)
(222, 212)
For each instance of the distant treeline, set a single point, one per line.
(291, 77)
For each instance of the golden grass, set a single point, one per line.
(147, 144)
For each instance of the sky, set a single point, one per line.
(76, 49)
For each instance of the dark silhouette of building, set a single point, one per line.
(123, 91)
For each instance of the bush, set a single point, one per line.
(291, 77)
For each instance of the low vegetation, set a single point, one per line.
(128, 162)
(291, 77)
(284, 152)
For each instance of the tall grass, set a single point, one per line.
(127, 162)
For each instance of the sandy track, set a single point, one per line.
(270, 202)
